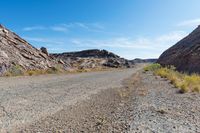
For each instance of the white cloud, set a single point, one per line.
(43, 40)
(92, 27)
(190, 23)
(163, 41)
(34, 28)
(59, 28)
(140, 47)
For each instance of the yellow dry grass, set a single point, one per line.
(183, 81)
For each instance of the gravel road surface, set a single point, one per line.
(118, 101)
(144, 104)
(24, 100)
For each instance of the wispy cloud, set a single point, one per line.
(59, 28)
(190, 23)
(160, 42)
(92, 27)
(44, 40)
(31, 28)
(143, 47)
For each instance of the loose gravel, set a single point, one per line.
(120, 101)
(24, 100)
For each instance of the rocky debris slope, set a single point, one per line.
(185, 55)
(15, 51)
(93, 59)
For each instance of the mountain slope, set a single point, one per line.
(185, 55)
(15, 51)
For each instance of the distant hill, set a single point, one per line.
(96, 53)
(138, 60)
(185, 55)
(93, 58)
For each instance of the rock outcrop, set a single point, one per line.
(15, 51)
(185, 55)
(93, 59)
(95, 53)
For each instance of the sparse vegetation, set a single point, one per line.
(14, 70)
(152, 67)
(17, 70)
(183, 81)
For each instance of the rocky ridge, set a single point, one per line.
(185, 55)
(93, 58)
(15, 51)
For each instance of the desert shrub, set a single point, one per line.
(184, 88)
(163, 72)
(30, 73)
(34, 72)
(14, 70)
(152, 67)
(53, 70)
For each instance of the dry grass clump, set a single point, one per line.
(152, 67)
(17, 70)
(186, 82)
(53, 70)
(14, 70)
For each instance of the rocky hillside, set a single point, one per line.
(15, 51)
(93, 58)
(96, 53)
(185, 55)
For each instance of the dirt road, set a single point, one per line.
(116, 101)
(144, 104)
(24, 100)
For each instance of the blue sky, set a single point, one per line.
(130, 28)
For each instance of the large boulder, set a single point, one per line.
(44, 50)
(185, 55)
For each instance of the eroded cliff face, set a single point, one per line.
(15, 51)
(185, 55)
